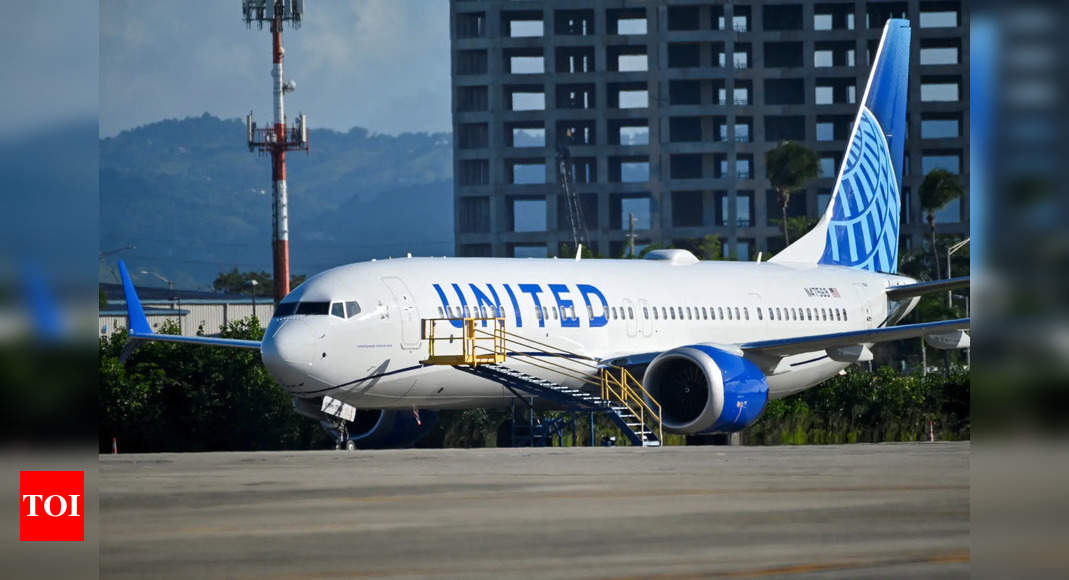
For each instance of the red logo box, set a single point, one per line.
(51, 506)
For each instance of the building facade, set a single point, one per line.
(672, 106)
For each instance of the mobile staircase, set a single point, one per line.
(609, 389)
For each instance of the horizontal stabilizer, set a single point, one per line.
(141, 331)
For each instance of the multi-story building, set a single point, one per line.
(673, 105)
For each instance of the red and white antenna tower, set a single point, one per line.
(277, 139)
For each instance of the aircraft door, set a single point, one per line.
(406, 306)
(861, 291)
(645, 324)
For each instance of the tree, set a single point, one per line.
(709, 247)
(939, 188)
(790, 166)
(235, 282)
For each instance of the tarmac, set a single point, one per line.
(888, 510)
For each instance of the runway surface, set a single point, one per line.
(896, 510)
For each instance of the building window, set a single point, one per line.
(474, 214)
(472, 136)
(825, 131)
(521, 100)
(633, 99)
(528, 137)
(940, 91)
(822, 58)
(624, 206)
(822, 22)
(742, 132)
(526, 172)
(827, 167)
(947, 161)
(471, 25)
(474, 172)
(940, 128)
(528, 214)
(523, 24)
(939, 55)
(938, 18)
(740, 60)
(825, 95)
(742, 168)
(634, 135)
(574, 22)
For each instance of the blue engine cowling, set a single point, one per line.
(703, 389)
(379, 429)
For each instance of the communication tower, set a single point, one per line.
(277, 138)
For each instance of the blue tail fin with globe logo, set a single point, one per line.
(860, 227)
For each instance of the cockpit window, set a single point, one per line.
(352, 308)
(285, 309)
(313, 308)
(337, 309)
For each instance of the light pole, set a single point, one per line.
(254, 284)
(175, 297)
(950, 252)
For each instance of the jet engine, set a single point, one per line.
(703, 389)
(380, 429)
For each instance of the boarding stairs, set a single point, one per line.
(608, 389)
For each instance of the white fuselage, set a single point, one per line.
(371, 360)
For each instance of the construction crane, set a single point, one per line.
(571, 198)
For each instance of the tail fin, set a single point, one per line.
(860, 226)
(138, 322)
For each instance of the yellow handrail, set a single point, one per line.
(468, 342)
(617, 384)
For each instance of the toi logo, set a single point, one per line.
(51, 506)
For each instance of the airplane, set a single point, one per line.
(712, 341)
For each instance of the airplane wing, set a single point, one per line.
(768, 354)
(141, 331)
(921, 288)
(796, 345)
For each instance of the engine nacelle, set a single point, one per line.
(378, 429)
(703, 389)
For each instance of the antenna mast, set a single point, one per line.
(277, 138)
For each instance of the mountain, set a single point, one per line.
(194, 201)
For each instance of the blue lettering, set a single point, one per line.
(564, 304)
(482, 299)
(515, 305)
(445, 306)
(586, 290)
(463, 303)
(534, 290)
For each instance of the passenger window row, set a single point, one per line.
(661, 313)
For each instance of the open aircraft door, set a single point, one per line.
(406, 306)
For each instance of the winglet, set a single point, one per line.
(138, 321)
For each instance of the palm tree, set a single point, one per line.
(790, 167)
(939, 188)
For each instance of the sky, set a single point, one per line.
(378, 64)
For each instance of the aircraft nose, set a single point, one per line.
(288, 352)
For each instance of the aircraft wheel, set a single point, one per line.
(350, 445)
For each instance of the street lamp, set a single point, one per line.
(950, 252)
(254, 284)
(170, 286)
